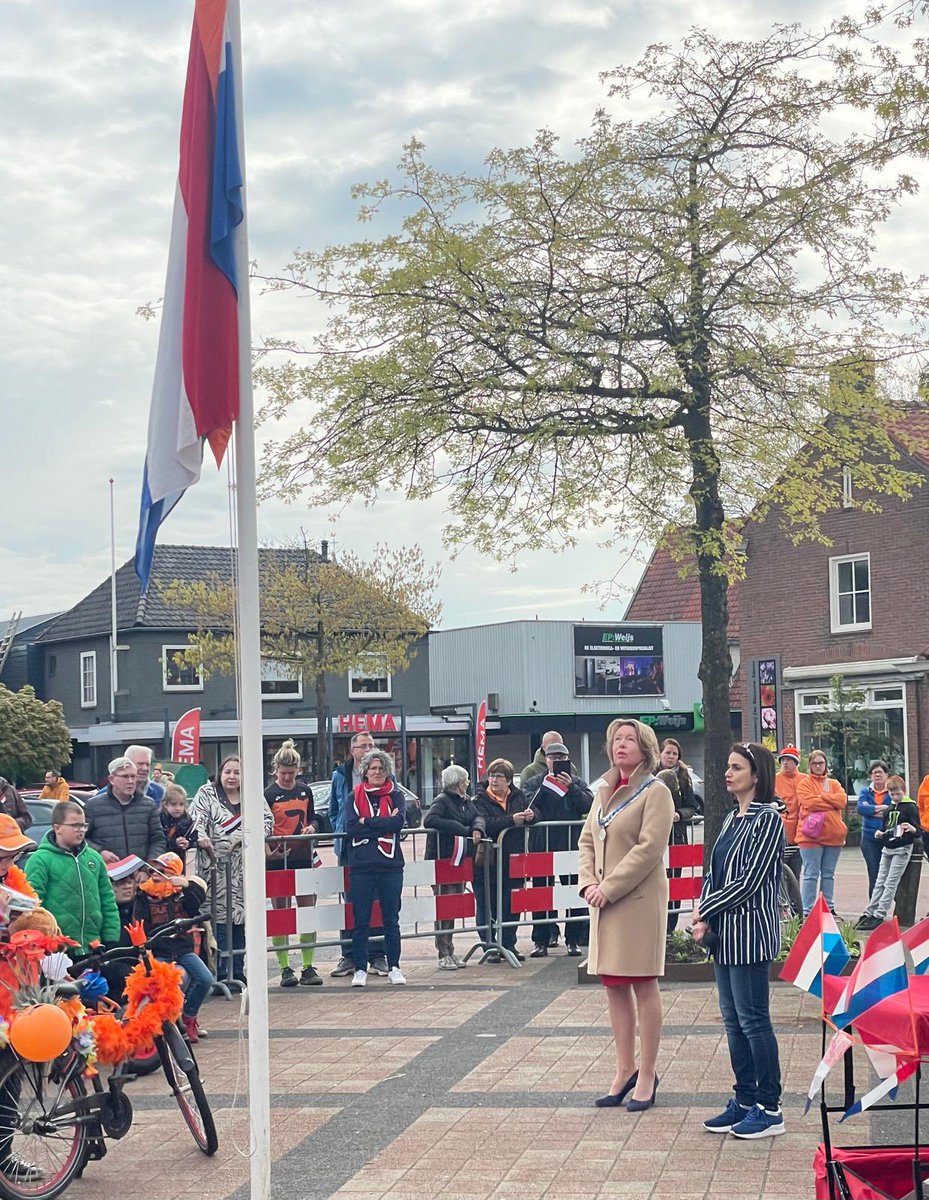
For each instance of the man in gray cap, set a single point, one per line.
(557, 794)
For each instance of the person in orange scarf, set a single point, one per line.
(820, 831)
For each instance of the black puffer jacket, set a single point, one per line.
(124, 829)
(451, 815)
(496, 818)
(574, 805)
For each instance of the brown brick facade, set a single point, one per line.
(784, 603)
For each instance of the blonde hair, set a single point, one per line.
(174, 791)
(645, 735)
(287, 757)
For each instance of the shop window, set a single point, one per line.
(371, 680)
(89, 679)
(279, 681)
(850, 593)
(179, 676)
(871, 726)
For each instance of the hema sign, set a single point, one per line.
(618, 660)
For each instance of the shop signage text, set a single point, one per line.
(367, 723)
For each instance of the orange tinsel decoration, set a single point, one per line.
(17, 880)
(161, 989)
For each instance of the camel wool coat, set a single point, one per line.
(627, 936)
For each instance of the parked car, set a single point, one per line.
(41, 813)
(77, 790)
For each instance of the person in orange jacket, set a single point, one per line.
(786, 782)
(56, 788)
(820, 831)
(922, 801)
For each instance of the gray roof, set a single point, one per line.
(91, 617)
(27, 623)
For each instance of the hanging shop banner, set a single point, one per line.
(185, 744)
(480, 740)
(618, 660)
(764, 700)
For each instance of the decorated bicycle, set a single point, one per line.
(67, 1052)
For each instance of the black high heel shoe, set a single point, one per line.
(641, 1105)
(616, 1101)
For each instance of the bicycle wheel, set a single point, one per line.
(40, 1153)
(189, 1094)
(788, 895)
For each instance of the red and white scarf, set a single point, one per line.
(554, 784)
(364, 795)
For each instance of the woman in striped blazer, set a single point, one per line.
(738, 917)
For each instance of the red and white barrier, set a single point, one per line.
(331, 914)
(554, 863)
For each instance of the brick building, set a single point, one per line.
(857, 608)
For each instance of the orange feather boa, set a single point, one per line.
(16, 878)
(117, 1039)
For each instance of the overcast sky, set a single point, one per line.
(90, 94)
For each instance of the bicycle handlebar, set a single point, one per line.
(99, 957)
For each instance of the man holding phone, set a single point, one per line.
(558, 794)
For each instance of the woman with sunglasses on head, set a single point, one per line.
(739, 921)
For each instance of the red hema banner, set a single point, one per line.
(185, 744)
(480, 740)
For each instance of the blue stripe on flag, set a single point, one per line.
(886, 985)
(151, 515)
(226, 211)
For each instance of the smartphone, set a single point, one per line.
(561, 766)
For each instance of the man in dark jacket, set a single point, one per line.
(558, 795)
(457, 831)
(120, 821)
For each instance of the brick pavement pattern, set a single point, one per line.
(479, 1085)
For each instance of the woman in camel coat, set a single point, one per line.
(623, 879)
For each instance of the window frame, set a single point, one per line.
(88, 656)
(166, 652)
(835, 625)
(271, 697)
(371, 696)
(848, 496)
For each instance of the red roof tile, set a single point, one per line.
(664, 595)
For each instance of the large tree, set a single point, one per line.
(642, 330)
(33, 735)
(319, 617)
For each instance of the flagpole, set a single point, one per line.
(114, 632)
(250, 718)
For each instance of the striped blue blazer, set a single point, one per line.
(741, 905)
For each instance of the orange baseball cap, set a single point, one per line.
(170, 863)
(12, 838)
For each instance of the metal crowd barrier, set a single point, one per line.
(509, 865)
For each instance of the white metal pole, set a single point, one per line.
(114, 631)
(250, 740)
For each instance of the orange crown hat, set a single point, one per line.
(170, 863)
(789, 752)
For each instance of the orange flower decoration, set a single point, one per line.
(136, 931)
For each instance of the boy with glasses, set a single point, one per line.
(71, 880)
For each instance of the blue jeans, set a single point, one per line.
(238, 951)
(743, 1001)
(199, 982)
(871, 849)
(818, 875)
(368, 886)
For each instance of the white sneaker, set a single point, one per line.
(360, 979)
(395, 975)
(448, 963)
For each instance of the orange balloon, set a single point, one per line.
(41, 1033)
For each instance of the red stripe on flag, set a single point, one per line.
(280, 884)
(541, 899)
(684, 888)
(281, 922)
(210, 353)
(459, 904)
(525, 866)
(685, 856)
(447, 872)
(376, 919)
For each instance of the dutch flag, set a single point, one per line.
(879, 974)
(819, 950)
(204, 342)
